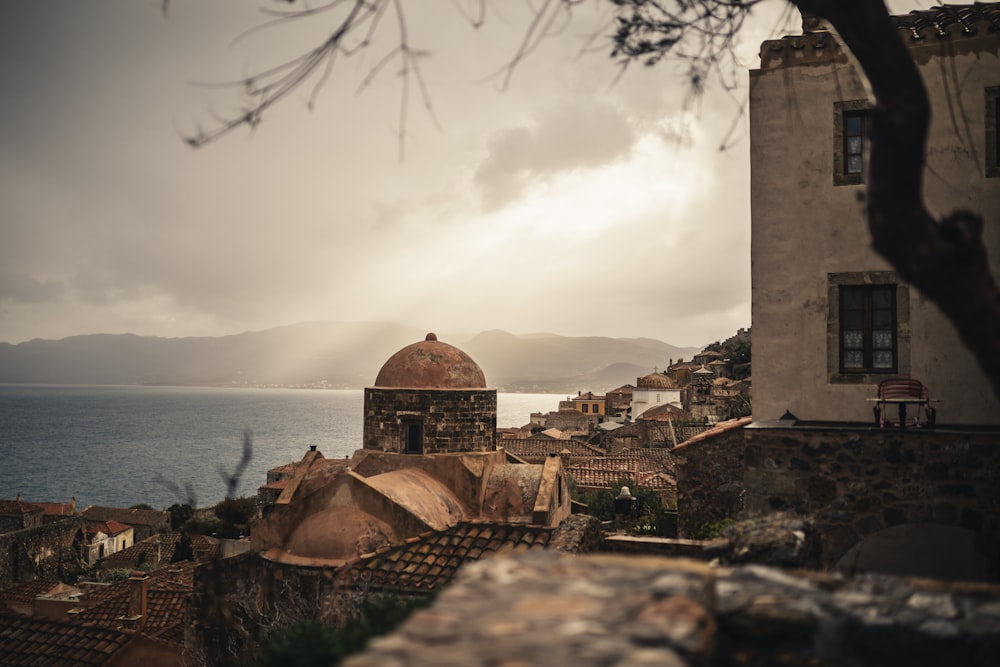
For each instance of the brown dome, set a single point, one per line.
(431, 364)
(655, 381)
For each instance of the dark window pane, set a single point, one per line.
(852, 124)
(853, 319)
(882, 319)
(882, 297)
(852, 298)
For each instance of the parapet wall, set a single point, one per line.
(852, 484)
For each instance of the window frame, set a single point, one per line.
(841, 112)
(413, 436)
(992, 115)
(836, 374)
(867, 313)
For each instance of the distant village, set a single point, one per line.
(433, 466)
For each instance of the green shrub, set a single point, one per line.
(309, 643)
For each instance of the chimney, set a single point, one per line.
(72, 505)
(137, 595)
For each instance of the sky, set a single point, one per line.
(573, 200)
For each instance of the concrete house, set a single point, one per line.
(832, 318)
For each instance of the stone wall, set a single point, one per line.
(544, 608)
(854, 484)
(455, 420)
(49, 551)
(709, 475)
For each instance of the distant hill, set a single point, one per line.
(335, 354)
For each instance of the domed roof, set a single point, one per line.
(655, 381)
(339, 533)
(431, 364)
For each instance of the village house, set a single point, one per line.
(832, 320)
(831, 317)
(105, 538)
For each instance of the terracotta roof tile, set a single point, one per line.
(26, 593)
(640, 465)
(431, 560)
(542, 447)
(56, 643)
(110, 527)
(17, 507)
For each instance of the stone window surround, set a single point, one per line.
(992, 95)
(834, 282)
(840, 175)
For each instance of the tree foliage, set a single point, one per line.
(310, 643)
(651, 517)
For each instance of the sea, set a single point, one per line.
(125, 445)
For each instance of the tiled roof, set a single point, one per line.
(664, 412)
(165, 608)
(35, 641)
(132, 517)
(110, 527)
(425, 562)
(158, 550)
(949, 19)
(921, 26)
(167, 596)
(18, 507)
(541, 447)
(58, 509)
(25, 593)
(646, 469)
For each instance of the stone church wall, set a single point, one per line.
(453, 420)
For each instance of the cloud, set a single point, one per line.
(21, 288)
(576, 134)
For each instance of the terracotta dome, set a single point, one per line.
(655, 381)
(431, 364)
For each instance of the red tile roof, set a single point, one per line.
(110, 527)
(18, 507)
(426, 562)
(21, 594)
(649, 468)
(54, 643)
(542, 447)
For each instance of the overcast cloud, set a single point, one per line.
(567, 202)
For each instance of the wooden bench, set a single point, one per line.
(903, 392)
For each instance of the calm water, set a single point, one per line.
(126, 445)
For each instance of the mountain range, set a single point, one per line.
(345, 355)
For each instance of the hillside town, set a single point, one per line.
(827, 509)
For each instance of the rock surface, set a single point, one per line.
(545, 608)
